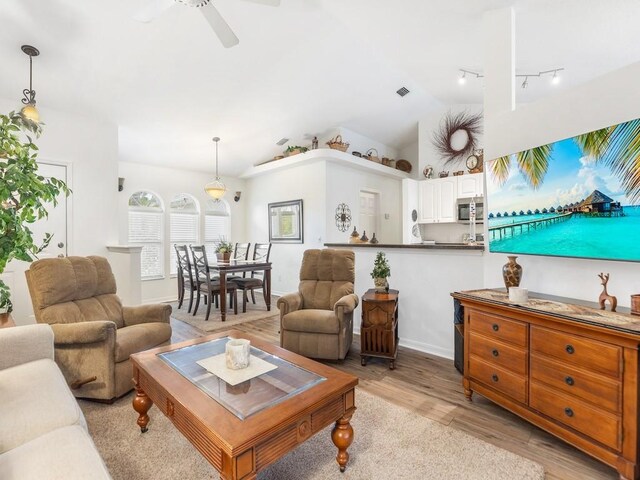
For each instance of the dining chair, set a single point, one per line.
(208, 286)
(261, 253)
(186, 275)
(240, 252)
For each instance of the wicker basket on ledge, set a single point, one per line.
(336, 143)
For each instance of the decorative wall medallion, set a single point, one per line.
(456, 138)
(343, 217)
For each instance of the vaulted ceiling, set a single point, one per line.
(299, 70)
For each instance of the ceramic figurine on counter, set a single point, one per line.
(604, 296)
(364, 238)
(314, 143)
(374, 240)
(355, 236)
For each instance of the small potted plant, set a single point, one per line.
(380, 272)
(294, 150)
(224, 250)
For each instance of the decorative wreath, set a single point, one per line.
(470, 123)
(343, 217)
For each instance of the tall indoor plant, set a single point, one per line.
(24, 195)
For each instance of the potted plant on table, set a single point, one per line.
(224, 250)
(24, 197)
(381, 271)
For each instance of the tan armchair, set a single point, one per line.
(93, 333)
(317, 321)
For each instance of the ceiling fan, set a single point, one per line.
(155, 8)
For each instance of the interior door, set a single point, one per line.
(57, 224)
(368, 213)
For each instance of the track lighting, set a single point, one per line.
(555, 79)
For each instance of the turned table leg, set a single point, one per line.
(467, 389)
(342, 436)
(141, 404)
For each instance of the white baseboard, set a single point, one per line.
(169, 299)
(423, 347)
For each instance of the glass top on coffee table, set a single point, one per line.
(248, 397)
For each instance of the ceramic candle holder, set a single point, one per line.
(237, 353)
(518, 295)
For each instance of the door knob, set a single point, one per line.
(60, 244)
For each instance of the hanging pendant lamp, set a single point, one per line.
(29, 111)
(216, 189)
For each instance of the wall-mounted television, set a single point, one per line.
(577, 197)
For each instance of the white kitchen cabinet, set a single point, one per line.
(438, 200)
(471, 185)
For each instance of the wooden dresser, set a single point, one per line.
(562, 364)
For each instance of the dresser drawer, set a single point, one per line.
(498, 353)
(498, 378)
(494, 326)
(602, 426)
(599, 390)
(579, 351)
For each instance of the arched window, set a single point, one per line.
(145, 228)
(217, 224)
(184, 225)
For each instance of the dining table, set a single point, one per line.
(235, 266)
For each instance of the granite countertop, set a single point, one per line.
(418, 246)
(568, 308)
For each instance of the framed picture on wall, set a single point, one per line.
(285, 222)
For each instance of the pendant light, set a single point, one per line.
(216, 189)
(29, 111)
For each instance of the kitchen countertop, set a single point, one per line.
(418, 246)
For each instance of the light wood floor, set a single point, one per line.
(432, 387)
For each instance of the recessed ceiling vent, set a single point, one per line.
(403, 91)
(282, 141)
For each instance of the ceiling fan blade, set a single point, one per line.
(153, 10)
(272, 3)
(220, 27)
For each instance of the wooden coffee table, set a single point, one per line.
(244, 428)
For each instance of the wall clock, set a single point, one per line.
(343, 217)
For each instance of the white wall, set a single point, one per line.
(167, 183)
(425, 279)
(90, 148)
(306, 182)
(344, 185)
(607, 100)
(427, 153)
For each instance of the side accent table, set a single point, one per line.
(379, 328)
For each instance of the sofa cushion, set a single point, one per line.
(64, 453)
(137, 338)
(34, 400)
(311, 320)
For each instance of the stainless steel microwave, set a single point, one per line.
(464, 211)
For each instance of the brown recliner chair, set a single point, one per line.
(317, 321)
(93, 333)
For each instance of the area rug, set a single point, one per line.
(254, 312)
(390, 443)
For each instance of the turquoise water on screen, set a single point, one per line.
(614, 238)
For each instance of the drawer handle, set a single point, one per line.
(495, 327)
(568, 412)
(570, 349)
(494, 377)
(495, 352)
(569, 381)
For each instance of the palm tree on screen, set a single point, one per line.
(617, 147)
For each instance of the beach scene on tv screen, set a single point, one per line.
(577, 197)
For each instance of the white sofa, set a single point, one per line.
(43, 433)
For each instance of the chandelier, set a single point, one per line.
(216, 189)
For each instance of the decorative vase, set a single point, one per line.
(224, 257)
(381, 284)
(355, 236)
(512, 272)
(373, 240)
(237, 353)
(364, 238)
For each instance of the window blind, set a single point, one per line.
(216, 227)
(183, 230)
(145, 228)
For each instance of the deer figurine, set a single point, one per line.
(604, 296)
